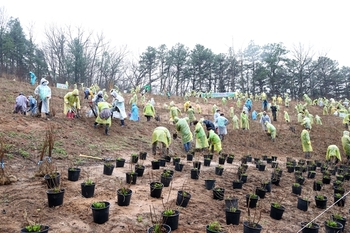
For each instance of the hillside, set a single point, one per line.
(24, 136)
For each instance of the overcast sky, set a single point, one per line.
(317, 24)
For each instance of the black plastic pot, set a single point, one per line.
(229, 159)
(179, 167)
(209, 184)
(341, 201)
(262, 167)
(326, 180)
(317, 186)
(169, 171)
(336, 229)
(156, 191)
(275, 181)
(207, 162)
(155, 164)
(165, 229)
(219, 193)
(195, 174)
(274, 164)
(296, 189)
(322, 204)
(43, 229)
(143, 155)
(131, 178)
(162, 162)
(237, 184)
(300, 180)
(52, 181)
(139, 169)
(244, 178)
(342, 221)
(108, 170)
(166, 180)
(182, 199)
(311, 174)
(100, 215)
(167, 158)
(261, 192)
(189, 157)
(302, 204)
(219, 171)
(268, 160)
(251, 229)
(290, 169)
(87, 190)
(172, 220)
(134, 158)
(221, 160)
(267, 186)
(276, 213)
(252, 202)
(120, 162)
(124, 199)
(233, 217)
(73, 174)
(312, 229)
(55, 198)
(176, 160)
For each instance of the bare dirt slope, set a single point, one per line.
(24, 135)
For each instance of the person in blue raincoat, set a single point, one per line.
(32, 105)
(134, 113)
(32, 78)
(254, 115)
(248, 104)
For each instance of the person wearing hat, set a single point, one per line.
(200, 136)
(271, 130)
(244, 121)
(148, 111)
(44, 93)
(97, 98)
(264, 118)
(162, 135)
(182, 126)
(216, 115)
(71, 101)
(21, 104)
(305, 142)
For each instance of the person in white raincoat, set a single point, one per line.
(44, 93)
(118, 107)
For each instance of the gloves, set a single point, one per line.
(67, 102)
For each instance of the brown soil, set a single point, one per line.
(27, 196)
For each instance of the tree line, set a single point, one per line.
(77, 56)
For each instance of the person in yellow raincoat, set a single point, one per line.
(200, 136)
(244, 121)
(235, 122)
(232, 111)
(271, 130)
(224, 101)
(286, 116)
(214, 142)
(148, 111)
(182, 126)
(286, 102)
(199, 109)
(305, 142)
(325, 110)
(346, 121)
(333, 154)
(345, 141)
(318, 120)
(162, 135)
(214, 108)
(279, 100)
(105, 116)
(174, 111)
(191, 116)
(71, 99)
(186, 105)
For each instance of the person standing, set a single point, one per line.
(182, 126)
(221, 123)
(190, 113)
(134, 116)
(244, 121)
(201, 137)
(174, 111)
(148, 111)
(118, 107)
(162, 135)
(306, 143)
(44, 93)
(264, 118)
(235, 122)
(274, 112)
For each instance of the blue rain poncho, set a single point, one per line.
(134, 113)
(254, 115)
(32, 78)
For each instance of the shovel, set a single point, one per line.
(98, 158)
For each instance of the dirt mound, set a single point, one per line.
(24, 136)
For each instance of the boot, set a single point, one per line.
(42, 114)
(95, 125)
(122, 123)
(107, 129)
